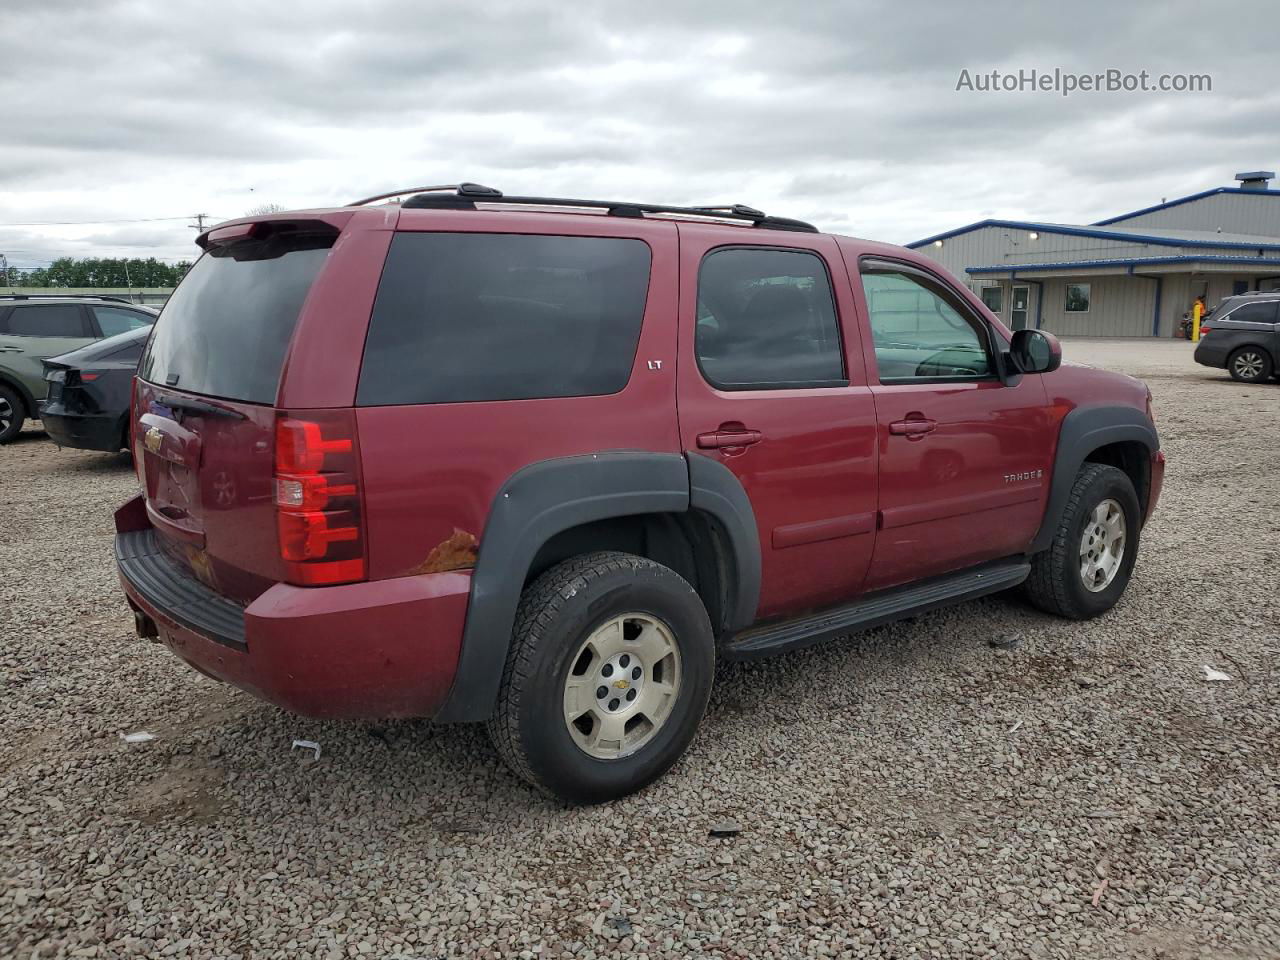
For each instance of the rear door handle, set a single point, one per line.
(718, 439)
(914, 427)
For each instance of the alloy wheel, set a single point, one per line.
(622, 686)
(1248, 365)
(1102, 545)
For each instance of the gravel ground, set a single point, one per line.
(911, 792)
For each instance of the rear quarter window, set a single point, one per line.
(472, 317)
(226, 329)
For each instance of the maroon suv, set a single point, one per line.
(540, 462)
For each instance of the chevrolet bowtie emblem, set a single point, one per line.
(622, 684)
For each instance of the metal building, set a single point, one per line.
(1133, 275)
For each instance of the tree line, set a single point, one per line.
(99, 272)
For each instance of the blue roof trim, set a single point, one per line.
(1014, 268)
(1101, 234)
(1181, 200)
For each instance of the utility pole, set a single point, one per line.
(199, 218)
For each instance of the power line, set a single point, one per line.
(88, 223)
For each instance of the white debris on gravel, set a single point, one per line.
(889, 813)
(307, 745)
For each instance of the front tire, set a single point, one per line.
(607, 677)
(1086, 569)
(1250, 364)
(12, 414)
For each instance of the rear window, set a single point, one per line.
(225, 330)
(474, 316)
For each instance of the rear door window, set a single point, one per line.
(1254, 313)
(47, 320)
(226, 329)
(767, 320)
(479, 316)
(114, 320)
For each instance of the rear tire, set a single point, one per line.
(1083, 574)
(610, 622)
(12, 414)
(1250, 364)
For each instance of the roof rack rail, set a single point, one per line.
(401, 193)
(66, 296)
(464, 196)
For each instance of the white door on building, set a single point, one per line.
(1019, 298)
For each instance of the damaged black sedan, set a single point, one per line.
(89, 393)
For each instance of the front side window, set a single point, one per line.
(993, 297)
(767, 320)
(469, 317)
(115, 320)
(1077, 298)
(51, 320)
(919, 332)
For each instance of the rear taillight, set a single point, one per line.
(1204, 331)
(319, 515)
(135, 441)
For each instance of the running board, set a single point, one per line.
(771, 638)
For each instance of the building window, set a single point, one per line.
(993, 297)
(1077, 298)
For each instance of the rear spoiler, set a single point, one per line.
(236, 231)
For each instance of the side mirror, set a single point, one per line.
(1034, 351)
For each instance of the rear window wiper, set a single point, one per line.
(200, 407)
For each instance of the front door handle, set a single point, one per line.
(729, 435)
(914, 427)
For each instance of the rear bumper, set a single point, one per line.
(100, 432)
(386, 648)
(1212, 353)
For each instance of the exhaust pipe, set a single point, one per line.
(144, 626)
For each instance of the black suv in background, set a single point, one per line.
(89, 392)
(1243, 336)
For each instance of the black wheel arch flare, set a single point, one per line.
(1084, 431)
(551, 496)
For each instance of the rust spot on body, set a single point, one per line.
(456, 553)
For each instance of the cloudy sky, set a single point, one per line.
(844, 114)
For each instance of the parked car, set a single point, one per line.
(34, 328)
(540, 462)
(90, 390)
(1243, 337)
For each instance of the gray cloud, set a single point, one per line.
(844, 114)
